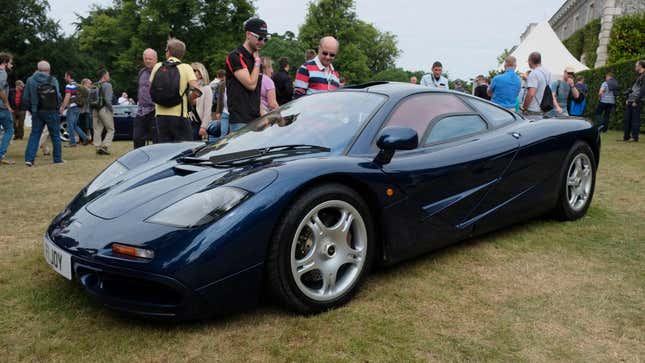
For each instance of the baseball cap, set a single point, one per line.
(569, 70)
(257, 26)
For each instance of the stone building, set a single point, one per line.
(575, 14)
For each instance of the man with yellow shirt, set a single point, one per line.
(169, 91)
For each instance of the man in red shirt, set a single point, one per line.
(318, 74)
(18, 111)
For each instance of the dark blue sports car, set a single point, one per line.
(306, 199)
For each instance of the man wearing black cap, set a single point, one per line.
(243, 81)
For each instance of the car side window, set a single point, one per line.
(417, 111)
(493, 114)
(455, 126)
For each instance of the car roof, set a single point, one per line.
(394, 89)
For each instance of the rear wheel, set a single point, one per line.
(578, 183)
(322, 250)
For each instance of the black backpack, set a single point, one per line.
(47, 96)
(164, 88)
(546, 104)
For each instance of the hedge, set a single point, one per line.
(625, 75)
(627, 38)
(584, 41)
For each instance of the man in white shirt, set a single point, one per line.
(536, 82)
(435, 79)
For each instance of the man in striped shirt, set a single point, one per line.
(73, 110)
(318, 74)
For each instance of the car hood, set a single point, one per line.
(165, 184)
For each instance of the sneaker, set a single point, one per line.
(7, 162)
(29, 163)
(70, 145)
(59, 162)
(102, 151)
(632, 140)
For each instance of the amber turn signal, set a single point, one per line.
(132, 251)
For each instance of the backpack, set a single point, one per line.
(47, 96)
(546, 104)
(95, 96)
(164, 88)
(81, 96)
(547, 99)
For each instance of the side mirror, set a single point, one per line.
(394, 138)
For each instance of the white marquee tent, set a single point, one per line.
(555, 56)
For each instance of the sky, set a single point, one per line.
(465, 35)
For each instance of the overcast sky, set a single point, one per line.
(465, 35)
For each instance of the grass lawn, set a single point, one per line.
(539, 291)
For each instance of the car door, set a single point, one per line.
(458, 159)
(518, 192)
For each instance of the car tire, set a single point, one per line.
(322, 250)
(577, 184)
(64, 134)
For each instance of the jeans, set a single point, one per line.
(6, 121)
(602, 113)
(234, 126)
(632, 121)
(73, 127)
(223, 128)
(39, 120)
(144, 129)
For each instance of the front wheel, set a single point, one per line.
(578, 183)
(322, 249)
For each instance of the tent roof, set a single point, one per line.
(555, 56)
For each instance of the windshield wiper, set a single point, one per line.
(248, 155)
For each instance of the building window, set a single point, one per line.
(590, 13)
(576, 23)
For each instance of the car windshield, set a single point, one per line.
(327, 119)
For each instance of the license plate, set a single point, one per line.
(58, 259)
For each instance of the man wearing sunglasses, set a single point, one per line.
(318, 74)
(243, 81)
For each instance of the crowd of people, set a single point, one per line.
(177, 101)
(534, 93)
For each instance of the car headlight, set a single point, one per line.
(107, 178)
(200, 208)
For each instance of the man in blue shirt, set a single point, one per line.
(505, 87)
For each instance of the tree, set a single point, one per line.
(364, 50)
(285, 46)
(502, 57)
(26, 30)
(118, 34)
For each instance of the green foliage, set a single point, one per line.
(393, 75)
(118, 34)
(285, 45)
(26, 31)
(624, 74)
(502, 57)
(364, 50)
(585, 42)
(627, 38)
